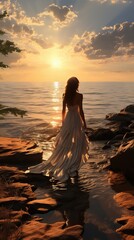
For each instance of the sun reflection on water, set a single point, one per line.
(54, 124)
(55, 100)
(56, 84)
(56, 108)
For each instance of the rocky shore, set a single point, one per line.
(119, 135)
(21, 209)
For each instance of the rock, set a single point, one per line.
(128, 135)
(9, 230)
(127, 140)
(117, 137)
(12, 174)
(124, 159)
(129, 108)
(9, 213)
(37, 230)
(43, 202)
(115, 141)
(42, 205)
(19, 177)
(22, 189)
(106, 146)
(21, 215)
(15, 203)
(101, 134)
(131, 126)
(117, 144)
(16, 217)
(38, 179)
(6, 221)
(125, 199)
(16, 151)
(116, 178)
(122, 130)
(120, 117)
(127, 228)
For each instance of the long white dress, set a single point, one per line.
(71, 149)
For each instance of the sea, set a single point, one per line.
(42, 102)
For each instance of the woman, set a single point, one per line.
(71, 145)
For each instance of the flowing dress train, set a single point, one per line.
(71, 149)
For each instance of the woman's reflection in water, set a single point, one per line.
(74, 201)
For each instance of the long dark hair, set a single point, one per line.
(70, 90)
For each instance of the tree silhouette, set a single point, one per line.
(6, 46)
(4, 110)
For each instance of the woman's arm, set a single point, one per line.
(63, 110)
(82, 112)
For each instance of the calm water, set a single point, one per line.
(43, 102)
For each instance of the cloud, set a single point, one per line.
(59, 12)
(21, 28)
(15, 11)
(42, 43)
(25, 30)
(12, 58)
(1, 78)
(62, 15)
(112, 1)
(117, 40)
(11, 26)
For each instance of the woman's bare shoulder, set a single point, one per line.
(80, 95)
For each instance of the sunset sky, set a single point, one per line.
(90, 39)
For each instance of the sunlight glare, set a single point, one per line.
(56, 84)
(53, 123)
(56, 63)
(56, 109)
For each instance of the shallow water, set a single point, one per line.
(93, 205)
(99, 211)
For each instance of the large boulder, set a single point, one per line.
(17, 151)
(129, 108)
(124, 159)
(120, 117)
(125, 115)
(101, 134)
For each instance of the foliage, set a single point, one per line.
(6, 46)
(12, 110)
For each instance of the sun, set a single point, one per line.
(56, 63)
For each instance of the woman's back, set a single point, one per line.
(76, 99)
